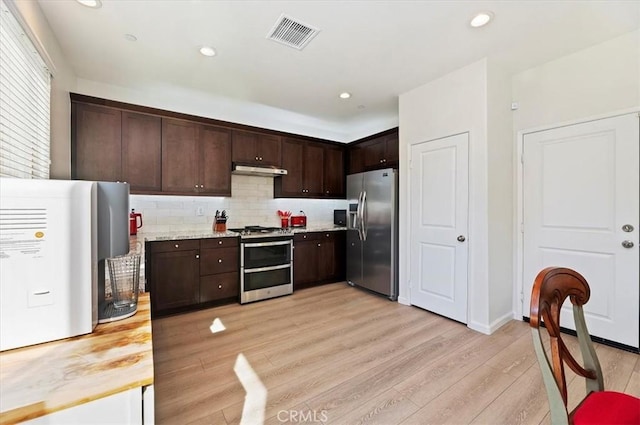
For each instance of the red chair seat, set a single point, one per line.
(608, 408)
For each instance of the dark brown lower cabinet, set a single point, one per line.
(184, 275)
(173, 277)
(318, 257)
(218, 287)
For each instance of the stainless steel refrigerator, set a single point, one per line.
(372, 231)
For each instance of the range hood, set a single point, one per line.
(249, 170)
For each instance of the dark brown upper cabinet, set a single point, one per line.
(304, 162)
(141, 151)
(381, 152)
(195, 158)
(114, 145)
(376, 153)
(334, 180)
(97, 142)
(256, 149)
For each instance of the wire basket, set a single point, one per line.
(124, 277)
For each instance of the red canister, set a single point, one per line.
(133, 222)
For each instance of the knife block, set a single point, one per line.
(220, 226)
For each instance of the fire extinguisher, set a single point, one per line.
(133, 222)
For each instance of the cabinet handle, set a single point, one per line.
(304, 237)
(177, 246)
(319, 244)
(197, 255)
(202, 186)
(260, 159)
(257, 158)
(219, 242)
(219, 260)
(327, 235)
(196, 186)
(219, 286)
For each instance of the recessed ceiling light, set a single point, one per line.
(345, 95)
(130, 37)
(96, 4)
(481, 19)
(207, 51)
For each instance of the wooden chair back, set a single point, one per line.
(551, 288)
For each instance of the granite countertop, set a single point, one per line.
(204, 234)
(45, 378)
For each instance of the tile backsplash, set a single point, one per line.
(251, 203)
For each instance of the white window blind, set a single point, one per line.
(25, 91)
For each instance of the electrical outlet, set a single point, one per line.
(200, 211)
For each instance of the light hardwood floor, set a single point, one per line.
(338, 355)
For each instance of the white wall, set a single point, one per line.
(63, 82)
(500, 185)
(453, 104)
(251, 203)
(591, 82)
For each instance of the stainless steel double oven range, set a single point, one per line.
(266, 263)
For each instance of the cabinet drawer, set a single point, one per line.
(177, 245)
(218, 242)
(219, 286)
(219, 260)
(309, 236)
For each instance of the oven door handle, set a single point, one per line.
(259, 244)
(266, 269)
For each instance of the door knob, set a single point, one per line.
(461, 238)
(627, 228)
(627, 244)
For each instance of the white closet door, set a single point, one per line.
(580, 191)
(439, 216)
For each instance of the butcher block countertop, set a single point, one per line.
(45, 378)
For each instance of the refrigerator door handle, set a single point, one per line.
(358, 223)
(363, 216)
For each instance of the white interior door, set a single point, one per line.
(439, 212)
(580, 190)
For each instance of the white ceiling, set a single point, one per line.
(374, 49)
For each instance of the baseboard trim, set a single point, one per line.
(403, 301)
(493, 326)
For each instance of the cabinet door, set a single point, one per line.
(180, 156)
(97, 143)
(219, 286)
(215, 165)
(326, 257)
(334, 172)
(175, 279)
(219, 260)
(391, 149)
(270, 150)
(244, 148)
(356, 159)
(374, 153)
(313, 169)
(305, 262)
(141, 151)
(292, 161)
(339, 255)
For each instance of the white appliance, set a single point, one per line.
(49, 259)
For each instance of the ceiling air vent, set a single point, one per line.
(292, 33)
